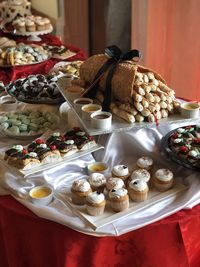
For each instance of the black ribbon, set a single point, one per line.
(116, 57)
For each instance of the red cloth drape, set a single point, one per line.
(29, 241)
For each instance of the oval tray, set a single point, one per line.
(171, 155)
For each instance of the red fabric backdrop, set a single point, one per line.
(29, 241)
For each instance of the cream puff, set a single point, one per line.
(163, 179)
(79, 191)
(138, 190)
(119, 199)
(95, 203)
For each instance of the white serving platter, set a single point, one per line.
(109, 217)
(118, 124)
(48, 166)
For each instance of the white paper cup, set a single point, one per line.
(80, 102)
(87, 110)
(189, 110)
(8, 103)
(41, 195)
(73, 92)
(101, 120)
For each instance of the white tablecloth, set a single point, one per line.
(123, 147)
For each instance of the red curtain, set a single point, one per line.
(167, 33)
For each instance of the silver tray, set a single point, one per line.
(119, 125)
(48, 166)
(173, 156)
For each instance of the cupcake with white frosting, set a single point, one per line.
(120, 171)
(119, 199)
(145, 163)
(95, 203)
(141, 174)
(138, 190)
(163, 179)
(97, 181)
(114, 183)
(79, 191)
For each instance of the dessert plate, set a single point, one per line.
(22, 96)
(108, 217)
(9, 120)
(183, 161)
(48, 166)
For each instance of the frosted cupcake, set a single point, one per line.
(119, 199)
(97, 181)
(141, 174)
(121, 171)
(114, 183)
(138, 190)
(79, 191)
(163, 179)
(145, 163)
(95, 203)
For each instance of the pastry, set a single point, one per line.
(145, 163)
(79, 191)
(138, 190)
(95, 203)
(118, 199)
(120, 171)
(141, 174)
(97, 181)
(163, 179)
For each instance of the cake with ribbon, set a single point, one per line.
(11, 9)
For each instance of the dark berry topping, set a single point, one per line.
(113, 190)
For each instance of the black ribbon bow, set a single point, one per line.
(116, 57)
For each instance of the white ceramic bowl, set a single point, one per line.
(87, 110)
(99, 167)
(101, 120)
(73, 92)
(41, 195)
(80, 102)
(8, 103)
(189, 110)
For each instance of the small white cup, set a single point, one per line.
(189, 110)
(87, 110)
(73, 92)
(99, 167)
(80, 102)
(41, 195)
(8, 103)
(101, 120)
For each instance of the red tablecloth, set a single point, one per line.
(29, 241)
(11, 74)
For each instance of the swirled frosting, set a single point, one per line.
(95, 197)
(144, 162)
(118, 193)
(142, 174)
(138, 185)
(80, 185)
(97, 179)
(114, 183)
(120, 170)
(164, 174)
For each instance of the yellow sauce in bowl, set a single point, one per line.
(98, 168)
(41, 192)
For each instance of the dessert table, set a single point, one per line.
(166, 233)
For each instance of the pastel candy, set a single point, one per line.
(14, 130)
(15, 122)
(4, 125)
(23, 127)
(3, 119)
